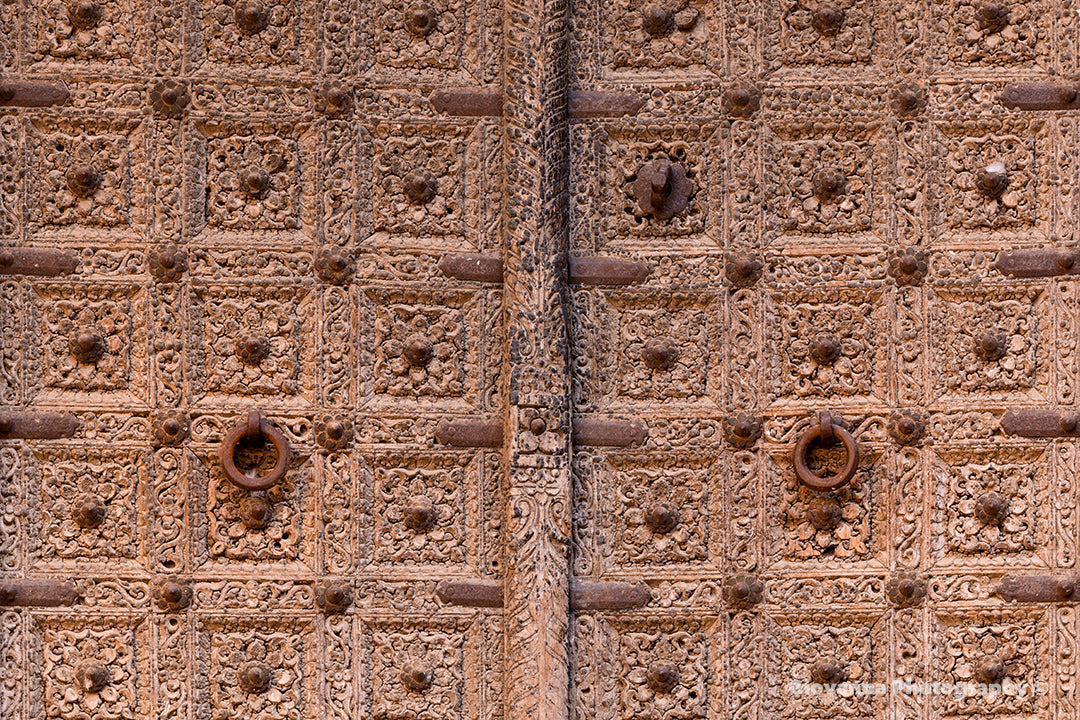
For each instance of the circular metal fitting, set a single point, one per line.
(253, 429)
(827, 431)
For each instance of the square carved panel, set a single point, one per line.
(257, 178)
(93, 341)
(241, 35)
(422, 345)
(992, 179)
(285, 540)
(88, 504)
(827, 344)
(805, 35)
(832, 647)
(111, 35)
(971, 34)
(991, 647)
(827, 178)
(654, 35)
(418, 669)
(641, 348)
(994, 342)
(253, 342)
(647, 647)
(993, 506)
(74, 652)
(656, 510)
(85, 174)
(424, 509)
(285, 648)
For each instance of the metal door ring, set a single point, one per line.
(802, 470)
(253, 429)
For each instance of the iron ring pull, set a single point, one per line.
(827, 433)
(253, 429)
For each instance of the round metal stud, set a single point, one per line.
(990, 346)
(905, 590)
(7, 258)
(420, 514)
(1069, 422)
(992, 508)
(417, 677)
(170, 427)
(89, 512)
(826, 349)
(908, 266)
(252, 349)
(251, 17)
(421, 20)
(662, 189)
(662, 677)
(991, 670)
(537, 426)
(333, 433)
(829, 184)
(1066, 589)
(662, 518)
(256, 512)
(167, 263)
(743, 590)
(993, 181)
(657, 20)
(256, 182)
(742, 100)
(334, 99)
(420, 187)
(8, 594)
(824, 513)
(822, 430)
(828, 671)
(742, 270)
(93, 676)
(418, 350)
(334, 266)
(660, 354)
(254, 677)
(333, 598)
(906, 427)
(6, 424)
(827, 20)
(742, 430)
(908, 100)
(88, 346)
(82, 181)
(992, 17)
(169, 98)
(171, 595)
(84, 15)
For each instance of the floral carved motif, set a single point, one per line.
(114, 480)
(651, 34)
(259, 34)
(117, 647)
(85, 31)
(417, 670)
(649, 648)
(421, 509)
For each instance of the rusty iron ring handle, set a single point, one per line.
(254, 428)
(823, 430)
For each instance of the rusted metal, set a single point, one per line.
(334, 432)
(37, 593)
(169, 98)
(662, 518)
(828, 19)
(1043, 262)
(662, 189)
(421, 20)
(608, 595)
(472, 266)
(829, 184)
(256, 512)
(468, 101)
(741, 100)
(597, 270)
(992, 508)
(82, 181)
(906, 427)
(1037, 589)
(826, 349)
(742, 430)
(660, 353)
(32, 94)
(991, 345)
(255, 677)
(470, 433)
(1040, 96)
(417, 677)
(335, 266)
(470, 593)
(254, 427)
(824, 513)
(657, 20)
(1040, 422)
(822, 431)
(420, 187)
(662, 677)
(603, 103)
(44, 262)
(167, 263)
(604, 432)
(88, 512)
(172, 595)
(92, 676)
(36, 425)
(742, 270)
(333, 597)
(88, 345)
(908, 99)
(743, 590)
(420, 514)
(993, 180)
(905, 589)
(908, 266)
(170, 427)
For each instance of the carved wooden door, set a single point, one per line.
(459, 359)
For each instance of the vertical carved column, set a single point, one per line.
(537, 523)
